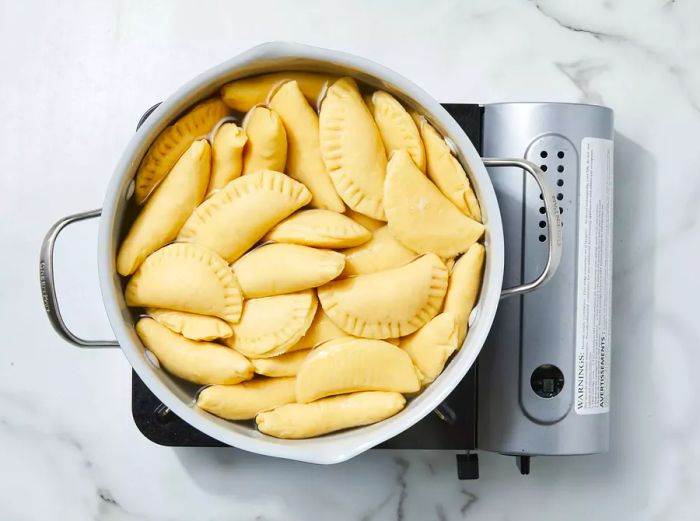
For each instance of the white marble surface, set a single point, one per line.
(77, 76)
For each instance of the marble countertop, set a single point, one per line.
(77, 77)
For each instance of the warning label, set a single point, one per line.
(594, 297)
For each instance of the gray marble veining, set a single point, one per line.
(78, 75)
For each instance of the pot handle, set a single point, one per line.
(553, 223)
(48, 287)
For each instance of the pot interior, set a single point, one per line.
(120, 210)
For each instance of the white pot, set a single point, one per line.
(176, 395)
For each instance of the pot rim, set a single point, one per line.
(337, 447)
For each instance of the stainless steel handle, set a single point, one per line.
(553, 222)
(48, 288)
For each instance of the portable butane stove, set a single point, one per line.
(541, 384)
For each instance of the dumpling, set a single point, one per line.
(381, 252)
(189, 325)
(321, 330)
(266, 148)
(352, 148)
(389, 303)
(167, 209)
(432, 345)
(227, 155)
(397, 128)
(269, 326)
(420, 216)
(242, 95)
(447, 173)
(417, 119)
(172, 143)
(238, 215)
(367, 222)
(245, 400)
(304, 161)
(320, 228)
(186, 277)
(273, 269)
(287, 364)
(198, 362)
(464, 287)
(306, 420)
(355, 364)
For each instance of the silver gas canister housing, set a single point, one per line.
(544, 374)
